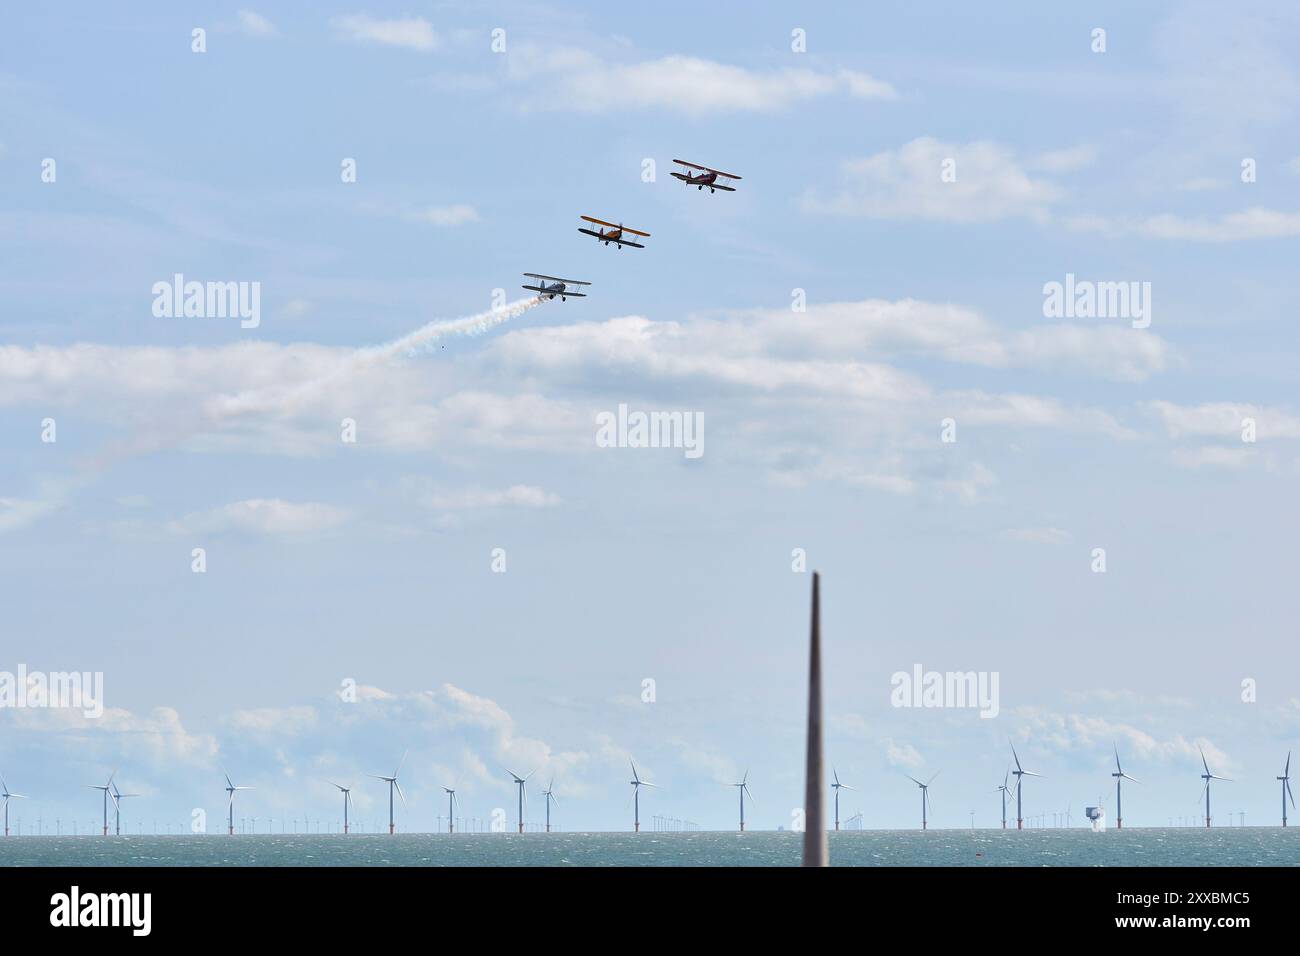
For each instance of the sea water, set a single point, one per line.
(1178, 846)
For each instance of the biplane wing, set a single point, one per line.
(613, 225)
(534, 275)
(707, 169)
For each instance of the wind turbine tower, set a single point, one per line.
(451, 809)
(1003, 790)
(347, 800)
(118, 797)
(393, 785)
(1207, 777)
(1020, 773)
(549, 793)
(1285, 778)
(107, 790)
(744, 789)
(925, 796)
(523, 797)
(8, 796)
(231, 790)
(837, 787)
(1120, 776)
(637, 783)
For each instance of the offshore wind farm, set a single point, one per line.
(487, 844)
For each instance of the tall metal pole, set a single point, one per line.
(816, 850)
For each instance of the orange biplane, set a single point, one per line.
(615, 233)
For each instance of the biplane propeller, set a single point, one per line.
(558, 287)
(708, 177)
(615, 234)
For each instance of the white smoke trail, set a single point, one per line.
(426, 335)
(224, 408)
(285, 400)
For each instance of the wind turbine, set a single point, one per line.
(393, 785)
(637, 784)
(1120, 776)
(549, 793)
(347, 799)
(837, 787)
(451, 809)
(231, 789)
(925, 794)
(1020, 773)
(816, 849)
(118, 796)
(1207, 777)
(523, 797)
(1003, 790)
(1285, 778)
(108, 792)
(7, 796)
(744, 789)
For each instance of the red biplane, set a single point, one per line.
(707, 177)
(615, 233)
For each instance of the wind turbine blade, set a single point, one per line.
(1286, 770)
(652, 786)
(1287, 784)
(1203, 761)
(635, 775)
(1015, 756)
(401, 762)
(1127, 777)
(913, 779)
(751, 794)
(834, 773)
(931, 780)
(399, 791)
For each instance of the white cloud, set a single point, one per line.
(255, 25)
(1250, 224)
(581, 81)
(907, 183)
(456, 215)
(901, 754)
(516, 496)
(271, 516)
(411, 33)
(1223, 420)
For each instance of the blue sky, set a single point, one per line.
(371, 562)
